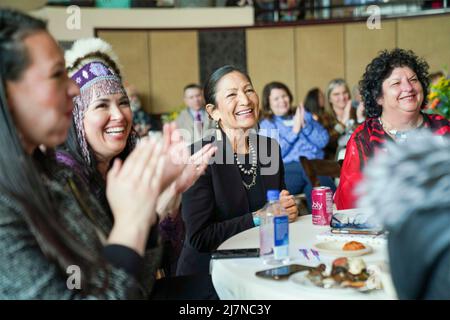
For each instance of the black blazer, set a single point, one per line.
(216, 207)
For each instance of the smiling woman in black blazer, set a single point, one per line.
(224, 201)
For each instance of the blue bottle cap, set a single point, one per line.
(273, 195)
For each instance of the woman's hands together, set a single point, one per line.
(360, 112)
(176, 154)
(132, 190)
(170, 199)
(195, 167)
(139, 186)
(288, 203)
(299, 119)
(347, 112)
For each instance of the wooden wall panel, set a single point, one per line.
(428, 37)
(161, 63)
(173, 59)
(270, 57)
(319, 53)
(363, 44)
(132, 50)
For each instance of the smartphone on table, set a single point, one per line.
(372, 232)
(282, 272)
(235, 253)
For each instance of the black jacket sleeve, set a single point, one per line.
(205, 230)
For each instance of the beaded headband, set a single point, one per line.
(95, 78)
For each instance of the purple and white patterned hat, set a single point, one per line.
(95, 77)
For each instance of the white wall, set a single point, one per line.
(61, 21)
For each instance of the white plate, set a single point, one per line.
(334, 248)
(301, 278)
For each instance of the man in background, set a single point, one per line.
(194, 120)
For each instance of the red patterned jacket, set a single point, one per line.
(368, 139)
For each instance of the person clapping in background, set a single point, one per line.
(298, 135)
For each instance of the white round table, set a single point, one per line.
(235, 278)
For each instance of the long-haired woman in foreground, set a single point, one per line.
(49, 246)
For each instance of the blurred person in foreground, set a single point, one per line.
(414, 181)
(50, 248)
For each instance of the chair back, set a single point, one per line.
(317, 167)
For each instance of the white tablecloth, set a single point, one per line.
(235, 278)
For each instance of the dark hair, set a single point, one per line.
(311, 102)
(209, 90)
(192, 86)
(14, 28)
(20, 173)
(266, 111)
(380, 68)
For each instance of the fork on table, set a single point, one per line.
(315, 253)
(304, 252)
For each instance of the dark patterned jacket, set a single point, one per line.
(26, 273)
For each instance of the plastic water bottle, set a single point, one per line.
(266, 227)
(281, 237)
(274, 231)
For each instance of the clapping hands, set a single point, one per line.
(299, 118)
(195, 168)
(360, 112)
(187, 168)
(347, 112)
(132, 189)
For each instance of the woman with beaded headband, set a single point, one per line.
(394, 90)
(225, 200)
(50, 248)
(102, 130)
(93, 66)
(102, 124)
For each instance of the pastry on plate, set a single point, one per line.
(353, 245)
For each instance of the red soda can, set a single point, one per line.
(322, 206)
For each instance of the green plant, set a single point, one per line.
(439, 98)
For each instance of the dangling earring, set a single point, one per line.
(218, 132)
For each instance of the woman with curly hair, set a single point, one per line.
(394, 88)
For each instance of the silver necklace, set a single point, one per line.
(397, 134)
(252, 170)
